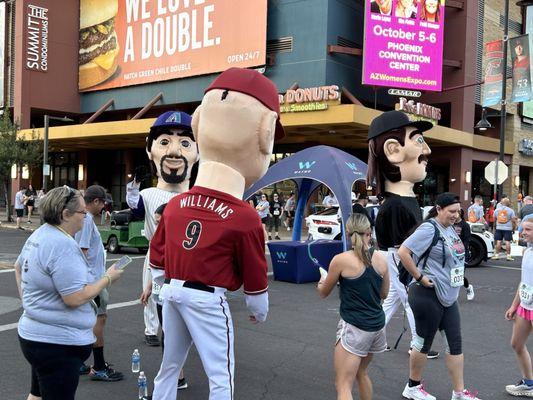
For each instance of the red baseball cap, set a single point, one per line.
(252, 83)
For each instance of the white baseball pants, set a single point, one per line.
(151, 322)
(192, 315)
(397, 294)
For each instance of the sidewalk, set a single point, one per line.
(35, 219)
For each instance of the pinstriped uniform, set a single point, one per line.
(152, 199)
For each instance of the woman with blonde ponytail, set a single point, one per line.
(364, 281)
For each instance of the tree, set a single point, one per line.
(15, 150)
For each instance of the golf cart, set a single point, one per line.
(124, 231)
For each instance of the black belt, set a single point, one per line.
(195, 285)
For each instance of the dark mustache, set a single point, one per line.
(172, 157)
(422, 158)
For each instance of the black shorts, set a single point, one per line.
(264, 220)
(20, 212)
(30, 203)
(503, 235)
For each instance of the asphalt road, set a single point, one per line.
(291, 355)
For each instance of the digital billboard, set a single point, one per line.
(130, 42)
(403, 44)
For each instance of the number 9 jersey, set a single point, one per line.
(213, 238)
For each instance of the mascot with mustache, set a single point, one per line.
(397, 159)
(172, 151)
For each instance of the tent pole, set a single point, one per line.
(303, 195)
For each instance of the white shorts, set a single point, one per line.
(360, 342)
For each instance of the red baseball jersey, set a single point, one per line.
(213, 238)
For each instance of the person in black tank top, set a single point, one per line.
(364, 281)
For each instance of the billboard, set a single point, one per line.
(130, 42)
(492, 90)
(403, 44)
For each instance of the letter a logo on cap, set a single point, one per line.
(174, 117)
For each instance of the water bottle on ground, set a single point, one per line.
(136, 361)
(143, 386)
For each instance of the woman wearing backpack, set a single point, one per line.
(364, 282)
(433, 297)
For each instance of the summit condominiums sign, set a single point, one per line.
(36, 52)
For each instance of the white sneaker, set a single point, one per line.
(520, 389)
(465, 395)
(470, 292)
(417, 393)
(289, 228)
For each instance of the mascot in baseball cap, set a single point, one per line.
(172, 152)
(209, 240)
(397, 159)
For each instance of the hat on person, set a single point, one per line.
(254, 84)
(446, 199)
(391, 120)
(94, 192)
(171, 119)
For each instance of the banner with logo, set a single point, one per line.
(492, 90)
(130, 42)
(403, 44)
(521, 65)
(2, 51)
(527, 106)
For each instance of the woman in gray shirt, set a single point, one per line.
(56, 328)
(433, 297)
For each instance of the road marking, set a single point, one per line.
(8, 327)
(123, 304)
(501, 267)
(3, 271)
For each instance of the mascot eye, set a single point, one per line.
(164, 142)
(185, 143)
(420, 139)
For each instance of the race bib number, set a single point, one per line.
(526, 294)
(457, 276)
(276, 212)
(156, 289)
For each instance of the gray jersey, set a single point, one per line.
(454, 256)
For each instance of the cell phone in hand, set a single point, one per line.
(123, 262)
(323, 273)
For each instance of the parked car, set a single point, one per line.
(481, 245)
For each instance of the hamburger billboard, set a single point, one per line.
(130, 42)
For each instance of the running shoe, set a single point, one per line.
(417, 393)
(269, 237)
(470, 292)
(510, 258)
(277, 237)
(84, 369)
(182, 384)
(107, 374)
(465, 395)
(520, 389)
(388, 349)
(495, 257)
(152, 340)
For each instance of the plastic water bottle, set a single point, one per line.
(142, 384)
(136, 361)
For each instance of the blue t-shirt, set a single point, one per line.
(454, 256)
(474, 212)
(504, 213)
(19, 200)
(53, 265)
(89, 238)
(264, 213)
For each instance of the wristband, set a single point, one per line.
(420, 277)
(108, 280)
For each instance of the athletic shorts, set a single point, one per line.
(359, 342)
(525, 313)
(101, 301)
(503, 235)
(264, 220)
(20, 212)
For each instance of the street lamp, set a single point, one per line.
(46, 166)
(484, 124)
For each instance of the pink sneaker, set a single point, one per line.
(465, 395)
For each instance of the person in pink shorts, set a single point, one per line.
(521, 311)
